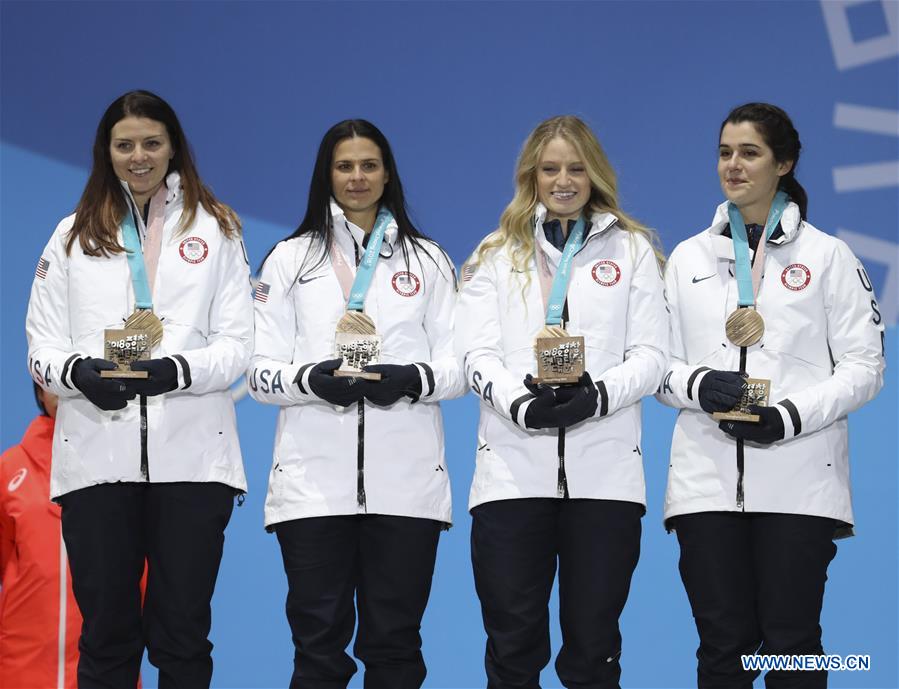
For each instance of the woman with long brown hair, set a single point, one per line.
(146, 467)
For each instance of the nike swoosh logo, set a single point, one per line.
(303, 281)
(696, 279)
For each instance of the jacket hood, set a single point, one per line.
(789, 222)
(358, 234)
(172, 184)
(38, 440)
(599, 222)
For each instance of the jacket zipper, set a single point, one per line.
(562, 477)
(360, 458)
(360, 433)
(741, 496)
(144, 462)
(740, 444)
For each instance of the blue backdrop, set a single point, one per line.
(456, 87)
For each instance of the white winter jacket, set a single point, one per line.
(202, 295)
(316, 454)
(822, 350)
(615, 301)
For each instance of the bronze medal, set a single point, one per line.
(560, 357)
(148, 322)
(357, 342)
(745, 327)
(142, 332)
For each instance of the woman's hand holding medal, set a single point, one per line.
(397, 381)
(769, 429)
(560, 407)
(337, 390)
(163, 376)
(720, 391)
(108, 394)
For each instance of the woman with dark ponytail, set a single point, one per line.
(775, 338)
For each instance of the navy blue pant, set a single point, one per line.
(515, 545)
(112, 531)
(756, 585)
(387, 563)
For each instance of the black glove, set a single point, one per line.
(336, 390)
(396, 382)
(720, 390)
(769, 429)
(163, 376)
(547, 411)
(109, 394)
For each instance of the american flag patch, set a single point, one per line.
(42, 267)
(468, 272)
(261, 292)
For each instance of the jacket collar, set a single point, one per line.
(790, 224)
(347, 234)
(600, 223)
(173, 193)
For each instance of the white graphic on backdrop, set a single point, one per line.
(866, 176)
(863, 118)
(849, 53)
(846, 178)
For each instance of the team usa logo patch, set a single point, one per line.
(796, 277)
(193, 250)
(405, 284)
(606, 273)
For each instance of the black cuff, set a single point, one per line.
(692, 379)
(794, 415)
(184, 370)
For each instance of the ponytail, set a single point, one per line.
(791, 186)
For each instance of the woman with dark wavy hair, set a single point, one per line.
(145, 468)
(358, 491)
(775, 338)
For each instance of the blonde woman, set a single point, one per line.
(559, 469)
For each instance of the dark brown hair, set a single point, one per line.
(103, 205)
(776, 128)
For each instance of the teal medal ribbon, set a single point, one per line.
(143, 317)
(743, 266)
(366, 269)
(559, 291)
(142, 297)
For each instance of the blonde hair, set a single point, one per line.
(516, 228)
